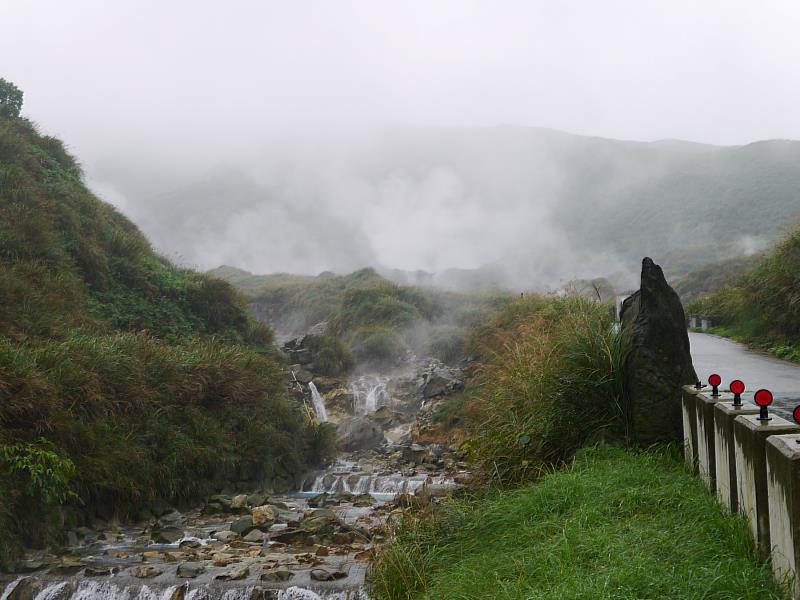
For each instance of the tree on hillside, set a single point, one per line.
(10, 99)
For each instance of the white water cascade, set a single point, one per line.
(319, 402)
(369, 394)
(88, 589)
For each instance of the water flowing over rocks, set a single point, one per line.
(656, 358)
(253, 544)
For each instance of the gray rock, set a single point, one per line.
(225, 536)
(303, 376)
(242, 525)
(235, 574)
(146, 571)
(26, 589)
(359, 433)
(167, 535)
(325, 575)
(254, 536)
(656, 358)
(277, 575)
(190, 569)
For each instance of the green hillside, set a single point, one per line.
(123, 380)
(377, 319)
(762, 307)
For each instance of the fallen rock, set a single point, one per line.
(359, 433)
(225, 535)
(239, 501)
(656, 358)
(146, 571)
(167, 535)
(277, 575)
(263, 515)
(26, 589)
(254, 536)
(190, 570)
(242, 525)
(325, 575)
(234, 574)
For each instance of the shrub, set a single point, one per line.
(447, 343)
(377, 346)
(552, 378)
(331, 355)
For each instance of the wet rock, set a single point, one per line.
(26, 566)
(190, 544)
(239, 501)
(325, 575)
(26, 589)
(277, 575)
(146, 571)
(359, 433)
(225, 536)
(263, 515)
(234, 574)
(179, 593)
(321, 551)
(171, 518)
(657, 361)
(242, 525)
(257, 499)
(254, 536)
(190, 570)
(439, 382)
(99, 571)
(167, 535)
(304, 377)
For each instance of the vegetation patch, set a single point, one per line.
(615, 524)
(762, 307)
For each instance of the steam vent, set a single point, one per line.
(656, 359)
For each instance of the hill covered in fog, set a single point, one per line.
(530, 208)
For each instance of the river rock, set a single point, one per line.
(239, 501)
(242, 525)
(254, 536)
(26, 589)
(359, 433)
(656, 358)
(263, 515)
(234, 574)
(277, 575)
(225, 536)
(167, 535)
(325, 575)
(146, 571)
(190, 570)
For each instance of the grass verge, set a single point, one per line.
(615, 524)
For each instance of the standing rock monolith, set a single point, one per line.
(656, 360)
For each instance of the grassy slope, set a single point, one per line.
(762, 307)
(137, 380)
(373, 316)
(616, 524)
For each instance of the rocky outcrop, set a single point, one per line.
(656, 360)
(359, 433)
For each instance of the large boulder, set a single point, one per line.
(656, 360)
(359, 433)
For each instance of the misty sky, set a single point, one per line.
(173, 90)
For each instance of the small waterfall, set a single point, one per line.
(319, 403)
(105, 590)
(369, 394)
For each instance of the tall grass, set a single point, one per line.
(617, 524)
(551, 379)
(143, 420)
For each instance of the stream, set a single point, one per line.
(315, 543)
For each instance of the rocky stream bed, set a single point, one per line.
(314, 543)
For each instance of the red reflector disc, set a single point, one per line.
(796, 414)
(737, 386)
(714, 380)
(763, 397)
